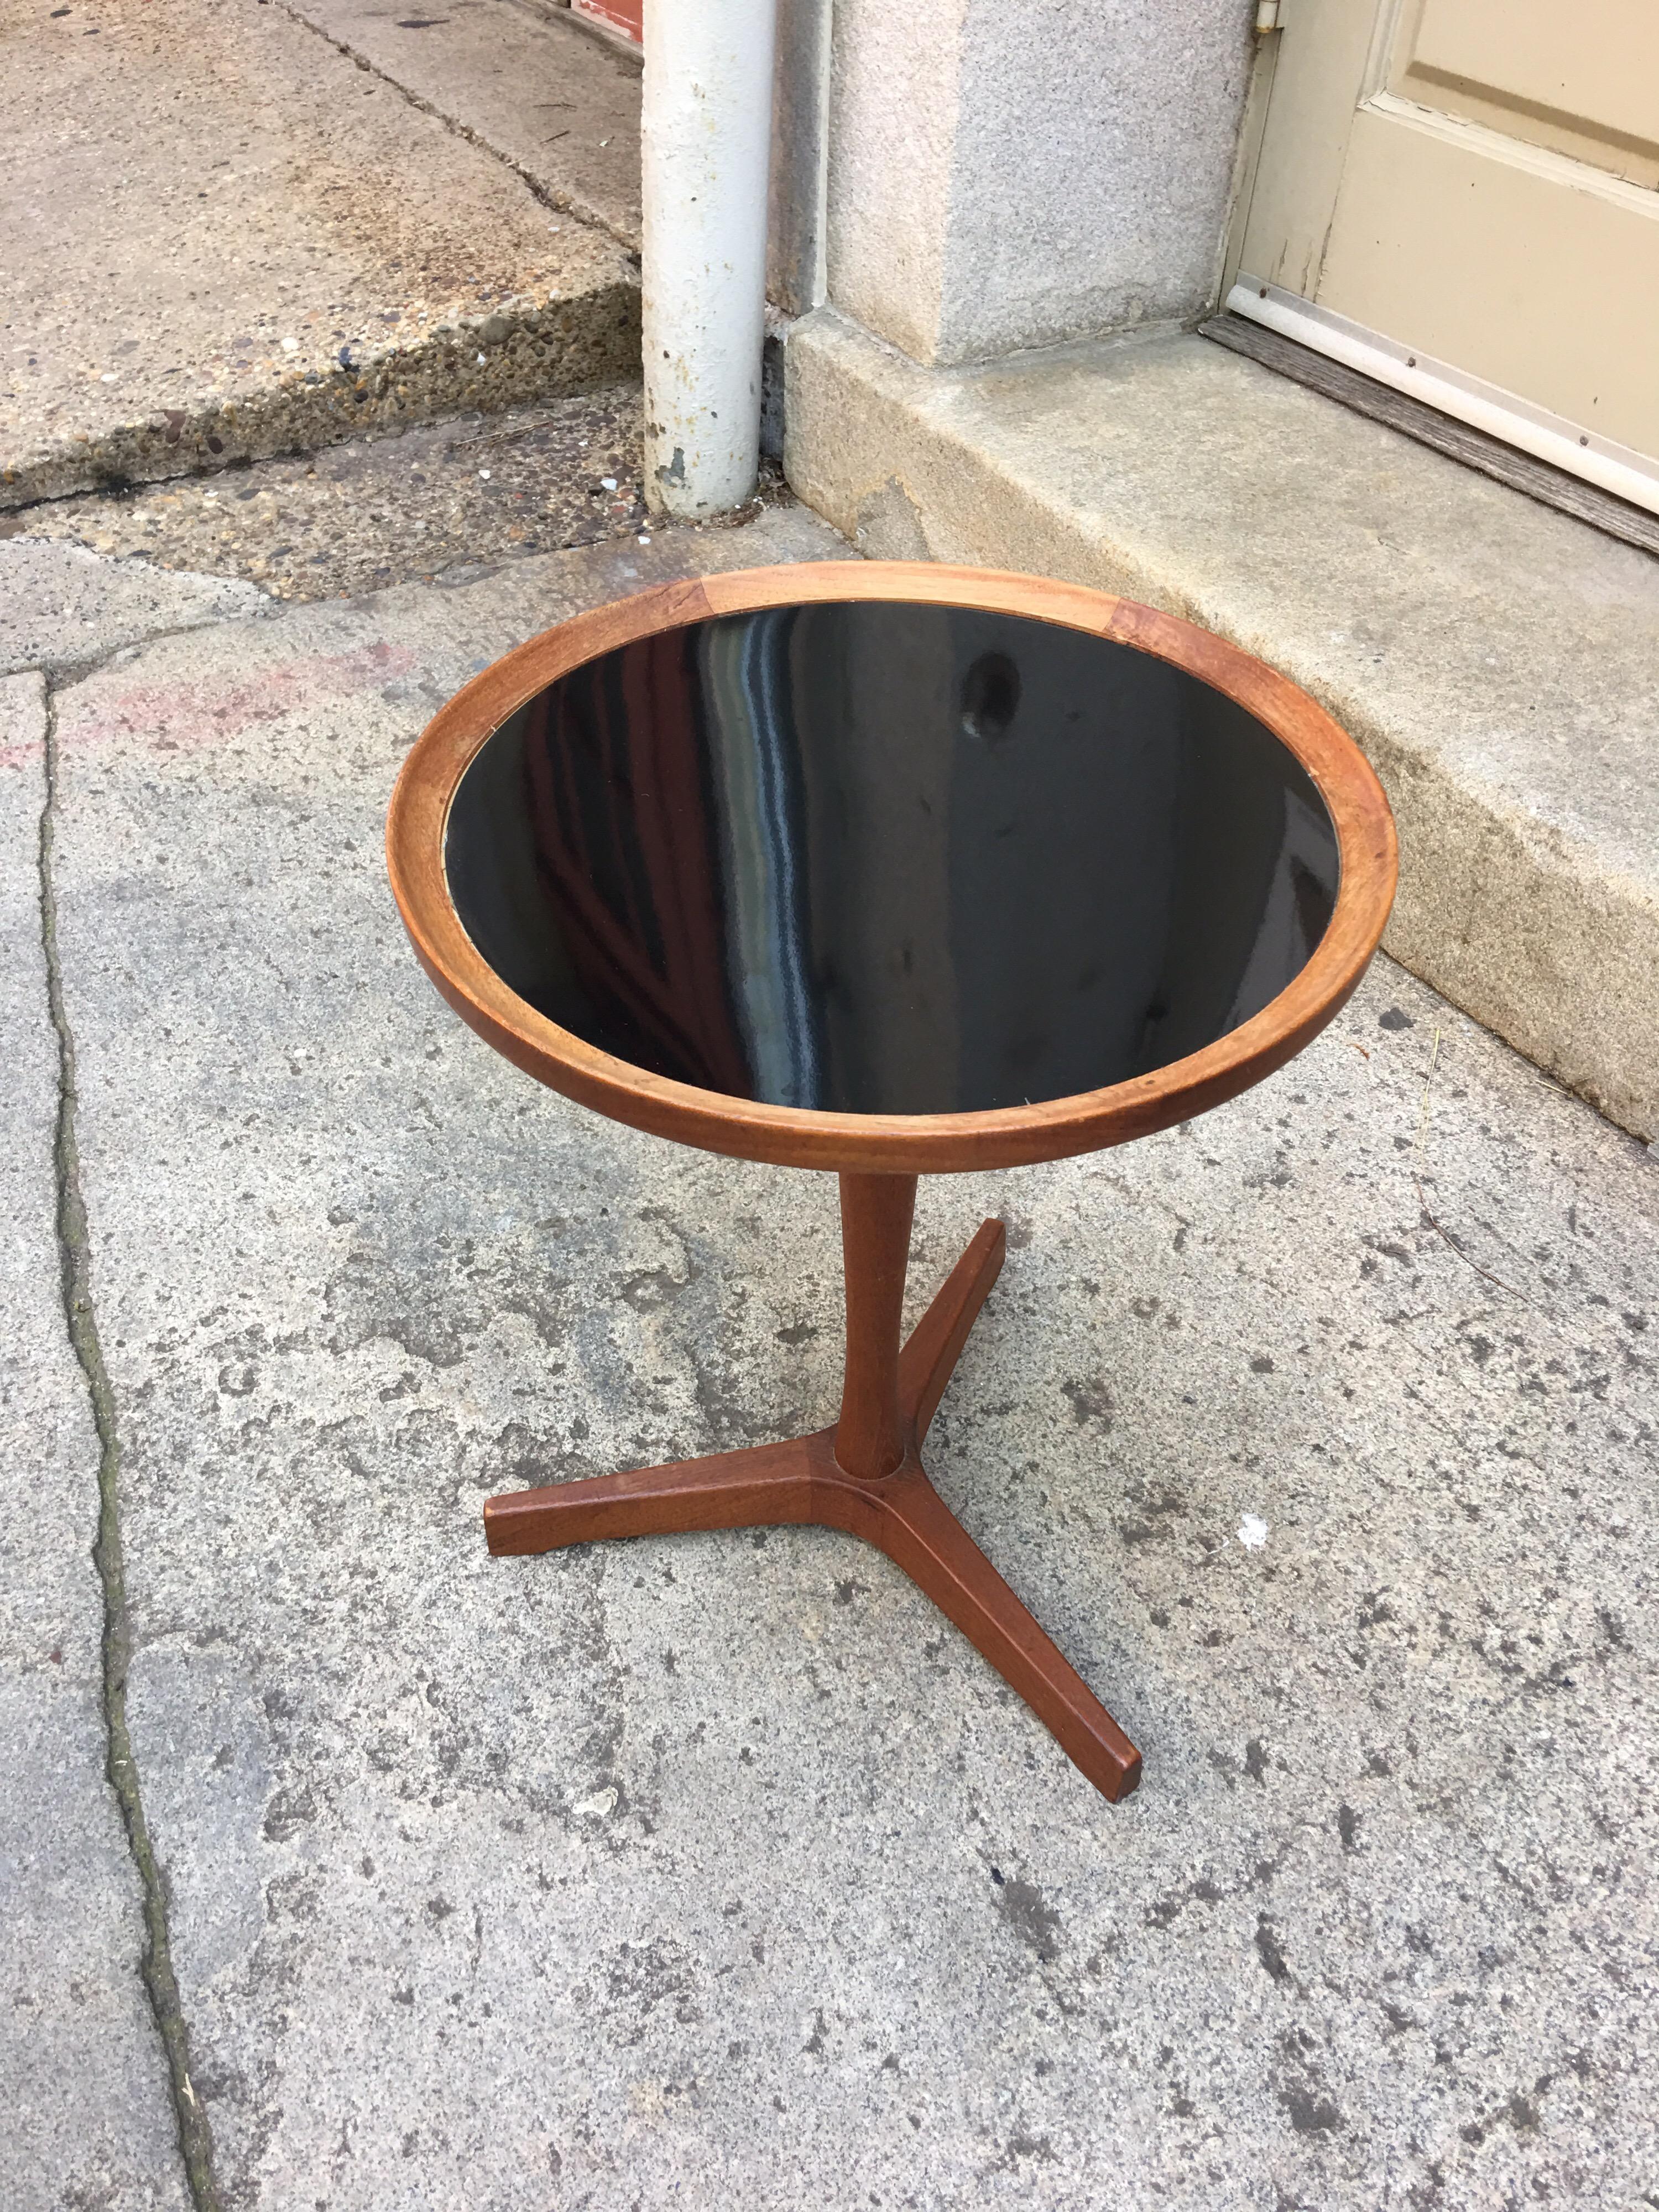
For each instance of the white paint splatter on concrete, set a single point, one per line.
(1252, 1533)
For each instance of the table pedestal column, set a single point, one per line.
(876, 1214)
(863, 1475)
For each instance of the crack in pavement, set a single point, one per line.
(555, 202)
(63, 674)
(161, 1984)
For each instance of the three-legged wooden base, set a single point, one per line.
(864, 1475)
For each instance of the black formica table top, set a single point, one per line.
(889, 858)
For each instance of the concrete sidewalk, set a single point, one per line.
(558, 102)
(227, 239)
(719, 1870)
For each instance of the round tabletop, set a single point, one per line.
(888, 867)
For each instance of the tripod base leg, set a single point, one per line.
(800, 1481)
(763, 1487)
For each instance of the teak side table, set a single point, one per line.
(894, 870)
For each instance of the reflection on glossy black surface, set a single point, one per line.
(881, 858)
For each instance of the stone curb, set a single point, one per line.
(524, 352)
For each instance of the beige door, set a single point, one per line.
(1461, 197)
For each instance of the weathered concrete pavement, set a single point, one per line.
(719, 1870)
(224, 239)
(88, 2119)
(557, 102)
(441, 501)
(62, 611)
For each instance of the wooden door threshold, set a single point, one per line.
(1553, 487)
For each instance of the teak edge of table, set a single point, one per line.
(864, 1473)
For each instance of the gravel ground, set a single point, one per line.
(418, 506)
(381, 511)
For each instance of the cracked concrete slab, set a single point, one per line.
(560, 104)
(63, 608)
(719, 1870)
(88, 2119)
(227, 239)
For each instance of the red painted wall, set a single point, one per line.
(627, 16)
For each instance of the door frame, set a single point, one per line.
(1566, 445)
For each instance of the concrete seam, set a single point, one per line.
(155, 1965)
(64, 675)
(558, 203)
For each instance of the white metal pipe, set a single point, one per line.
(706, 139)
